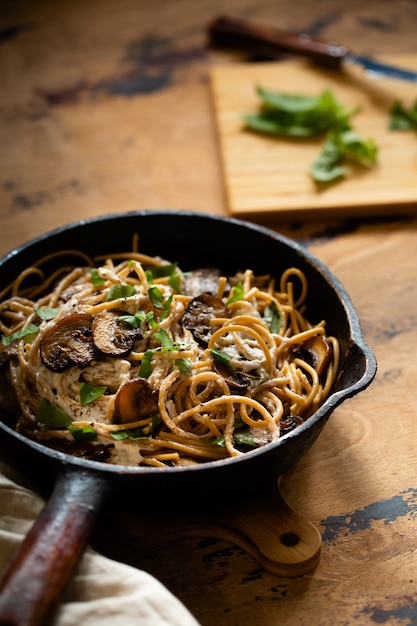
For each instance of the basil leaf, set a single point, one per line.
(402, 118)
(117, 292)
(184, 365)
(161, 270)
(166, 308)
(46, 314)
(145, 369)
(340, 146)
(221, 357)
(95, 278)
(29, 332)
(50, 415)
(86, 433)
(244, 439)
(272, 317)
(237, 294)
(89, 393)
(156, 297)
(175, 281)
(164, 339)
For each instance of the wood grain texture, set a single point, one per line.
(265, 175)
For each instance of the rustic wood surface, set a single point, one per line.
(106, 107)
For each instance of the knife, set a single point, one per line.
(270, 43)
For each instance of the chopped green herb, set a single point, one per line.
(402, 118)
(337, 148)
(29, 333)
(164, 339)
(156, 296)
(145, 369)
(237, 294)
(51, 416)
(273, 318)
(161, 271)
(184, 365)
(95, 277)
(221, 357)
(175, 281)
(46, 314)
(89, 393)
(166, 308)
(116, 292)
(86, 433)
(137, 433)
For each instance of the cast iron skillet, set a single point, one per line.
(36, 578)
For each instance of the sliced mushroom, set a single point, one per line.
(315, 351)
(288, 423)
(113, 336)
(68, 343)
(198, 314)
(238, 382)
(135, 400)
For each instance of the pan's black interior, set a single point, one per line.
(197, 240)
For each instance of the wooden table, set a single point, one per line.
(105, 107)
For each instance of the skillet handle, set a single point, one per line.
(35, 579)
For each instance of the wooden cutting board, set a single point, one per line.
(268, 177)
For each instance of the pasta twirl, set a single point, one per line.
(130, 360)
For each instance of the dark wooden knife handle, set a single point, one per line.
(33, 583)
(227, 32)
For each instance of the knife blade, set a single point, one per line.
(267, 42)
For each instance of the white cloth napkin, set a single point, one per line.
(103, 592)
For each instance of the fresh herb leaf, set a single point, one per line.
(132, 320)
(273, 318)
(156, 296)
(221, 357)
(184, 365)
(137, 433)
(117, 292)
(132, 433)
(237, 293)
(50, 415)
(86, 433)
(303, 116)
(164, 339)
(29, 333)
(175, 281)
(161, 271)
(244, 439)
(145, 369)
(89, 393)
(339, 147)
(95, 277)
(166, 308)
(46, 314)
(402, 118)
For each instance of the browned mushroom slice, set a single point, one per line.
(237, 381)
(68, 343)
(198, 314)
(113, 336)
(135, 400)
(317, 352)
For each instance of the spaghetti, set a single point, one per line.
(129, 360)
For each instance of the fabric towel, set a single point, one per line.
(102, 592)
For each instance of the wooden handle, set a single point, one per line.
(227, 32)
(35, 579)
